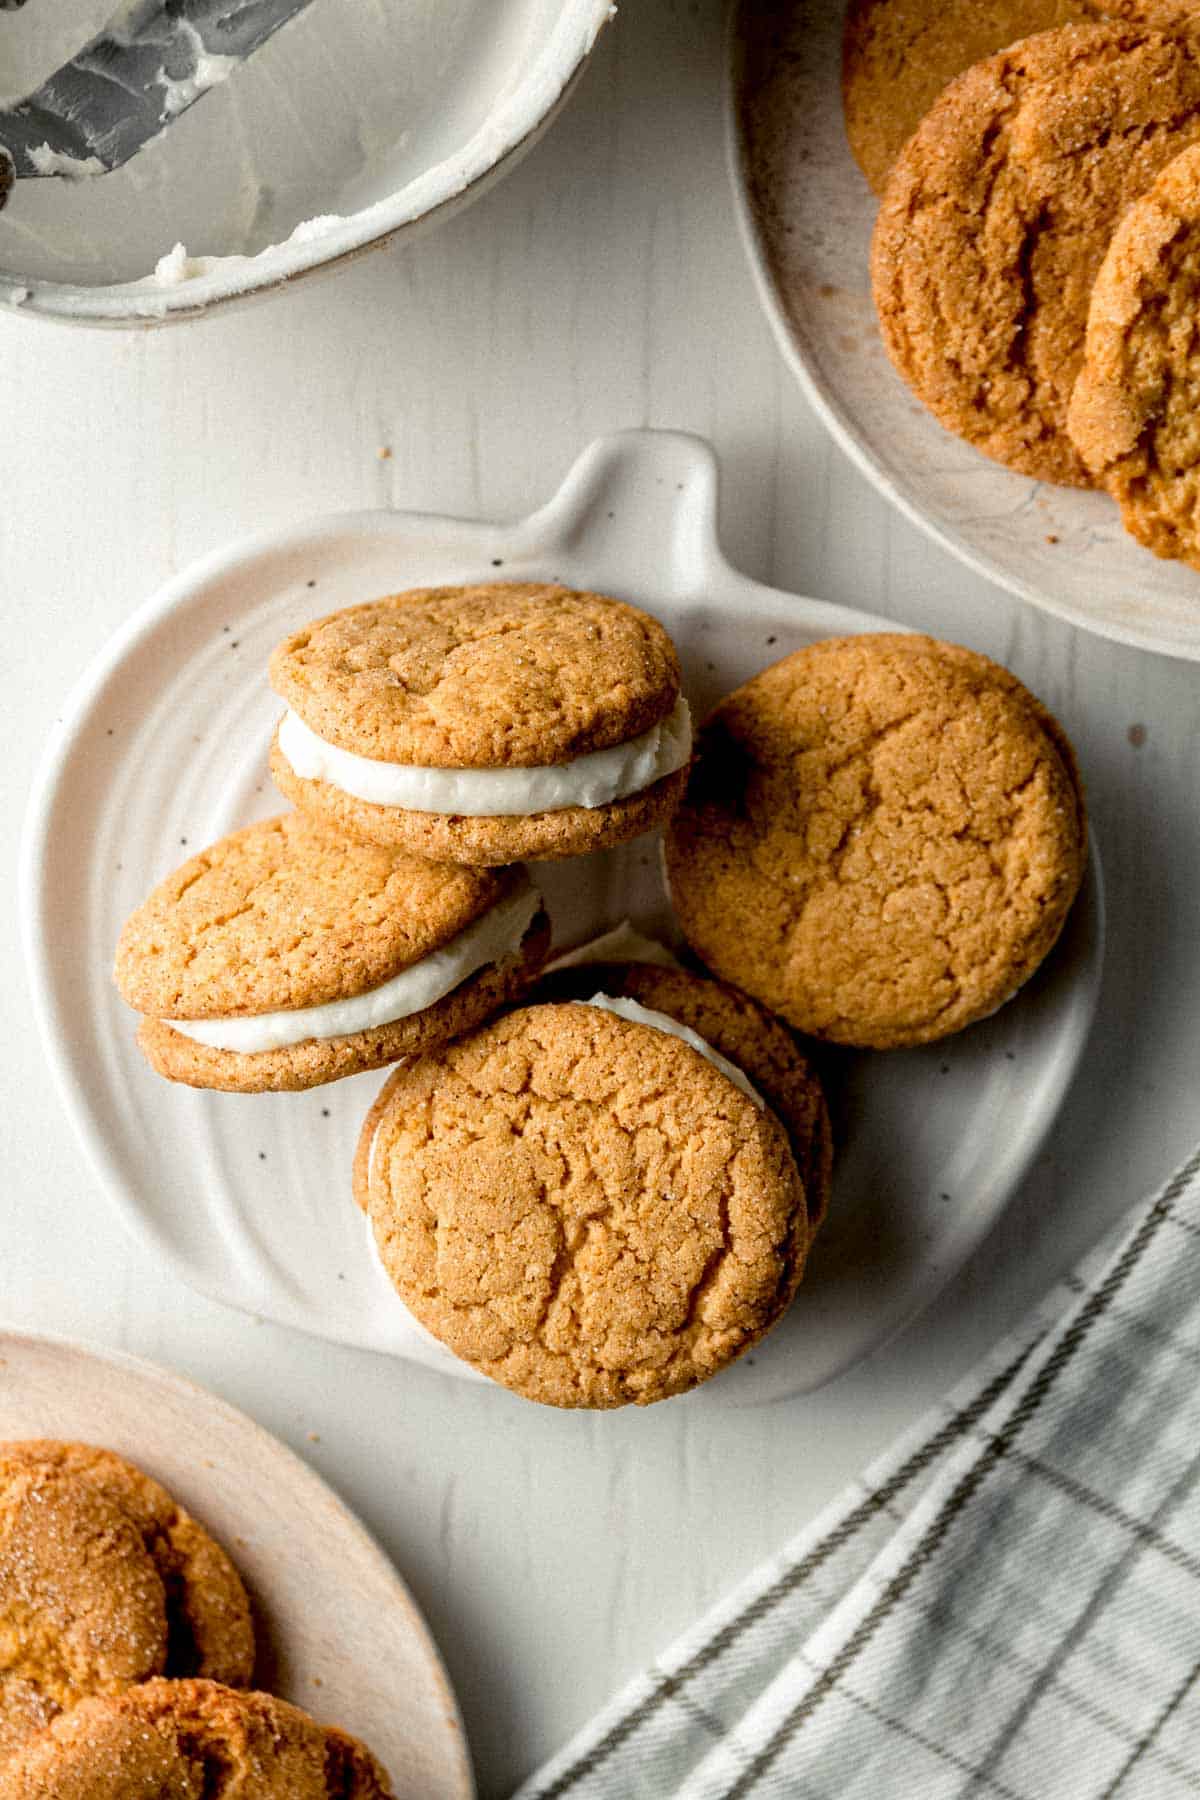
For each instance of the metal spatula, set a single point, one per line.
(152, 61)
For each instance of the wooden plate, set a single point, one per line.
(339, 1633)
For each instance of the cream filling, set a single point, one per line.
(643, 1015)
(596, 779)
(491, 939)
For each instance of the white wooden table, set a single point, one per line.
(602, 286)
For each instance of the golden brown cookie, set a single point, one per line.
(104, 1582)
(282, 957)
(583, 1207)
(739, 1029)
(881, 840)
(483, 724)
(191, 1740)
(898, 55)
(997, 217)
(1134, 414)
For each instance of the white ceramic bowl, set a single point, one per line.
(807, 215)
(356, 122)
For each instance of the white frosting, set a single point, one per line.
(488, 940)
(207, 70)
(56, 162)
(643, 1015)
(596, 779)
(623, 944)
(178, 266)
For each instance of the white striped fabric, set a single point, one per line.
(1008, 1605)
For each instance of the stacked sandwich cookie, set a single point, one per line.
(432, 740)
(483, 725)
(601, 1184)
(284, 957)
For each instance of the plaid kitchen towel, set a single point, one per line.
(1008, 1604)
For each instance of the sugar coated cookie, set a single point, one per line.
(881, 839)
(104, 1582)
(1134, 414)
(997, 217)
(898, 55)
(191, 1740)
(283, 957)
(741, 1031)
(483, 725)
(584, 1206)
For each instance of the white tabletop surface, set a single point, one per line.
(601, 286)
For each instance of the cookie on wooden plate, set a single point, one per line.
(104, 1582)
(585, 1207)
(1134, 414)
(191, 1740)
(997, 217)
(483, 725)
(283, 957)
(881, 840)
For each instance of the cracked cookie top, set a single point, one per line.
(584, 1207)
(898, 55)
(738, 1028)
(997, 216)
(881, 839)
(191, 1740)
(104, 1582)
(282, 914)
(1134, 414)
(498, 675)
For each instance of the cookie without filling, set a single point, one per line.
(898, 55)
(104, 1582)
(1135, 412)
(191, 1740)
(282, 957)
(997, 217)
(881, 840)
(583, 1207)
(483, 724)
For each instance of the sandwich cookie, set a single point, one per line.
(191, 1740)
(583, 1205)
(716, 1019)
(881, 840)
(283, 957)
(104, 1582)
(483, 725)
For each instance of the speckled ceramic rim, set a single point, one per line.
(451, 186)
(827, 407)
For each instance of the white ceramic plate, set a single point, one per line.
(162, 749)
(338, 1631)
(807, 215)
(368, 119)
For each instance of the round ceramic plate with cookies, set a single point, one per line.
(808, 213)
(327, 1605)
(249, 1197)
